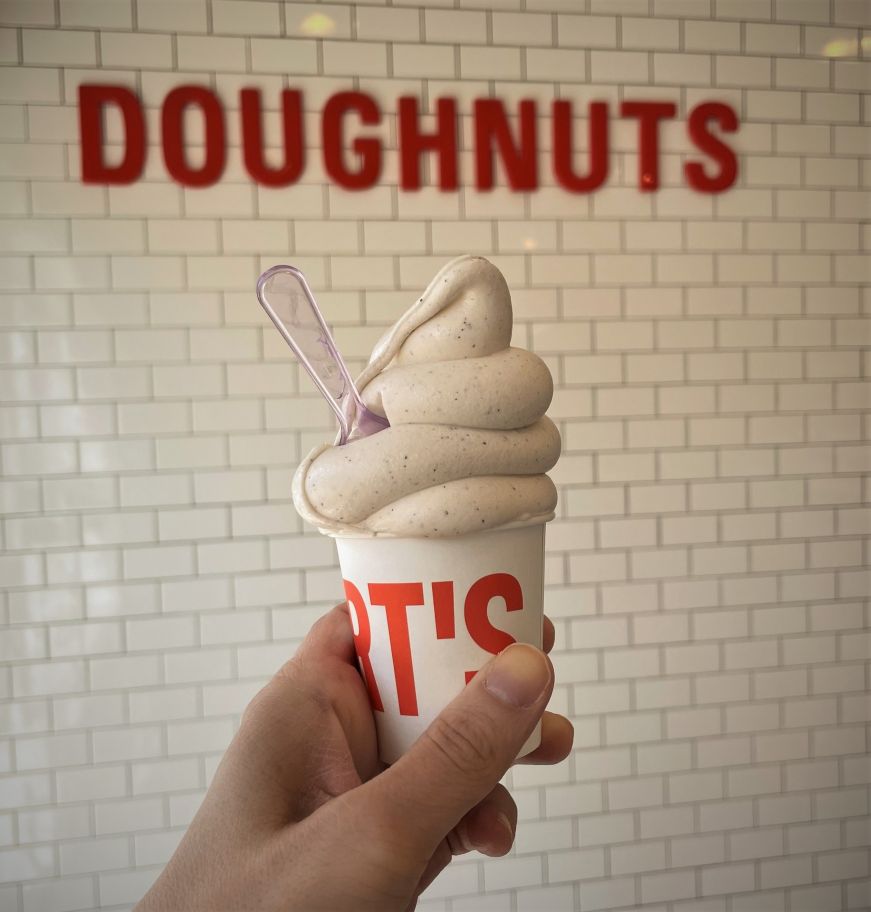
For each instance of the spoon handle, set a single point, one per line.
(286, 297)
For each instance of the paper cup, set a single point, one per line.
(428, 613)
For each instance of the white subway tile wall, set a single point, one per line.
(707, 570)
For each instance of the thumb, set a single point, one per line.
(465, 751)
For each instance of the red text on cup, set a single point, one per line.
(397, 598)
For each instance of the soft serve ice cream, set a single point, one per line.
(468, 442)
(439, 518)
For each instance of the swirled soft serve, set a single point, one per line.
(468, 444)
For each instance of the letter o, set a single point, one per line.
(172, 117)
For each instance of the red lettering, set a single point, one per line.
(355, 161)
(412, 143)
(252, 139)
(92, 100)
(396, 599)
(563, 152)
(495, 585)
(363, 642)
(649, 114)
(172, 124)
(368, 150)
(492, 130)
(443, 607)
(697, 127)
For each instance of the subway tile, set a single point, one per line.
(93, 710)
(234, 17)
(91, 783)
(784, 809)
(184, 666)
(51, 751)
(44, 824)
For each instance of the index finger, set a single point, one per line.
(331, 636)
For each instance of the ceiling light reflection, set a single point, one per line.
(318, 24)
(842, 47)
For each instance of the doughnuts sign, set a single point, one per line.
(496, 141)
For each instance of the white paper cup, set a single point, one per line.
(428, 613)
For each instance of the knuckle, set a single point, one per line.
(467, 742)
(288, 687)
(254, 710)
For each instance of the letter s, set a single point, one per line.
(482, 592)
(709, 144)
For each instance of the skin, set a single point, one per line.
(302, 816)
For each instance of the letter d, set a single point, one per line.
(92, 99)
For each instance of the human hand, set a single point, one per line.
(302, 816)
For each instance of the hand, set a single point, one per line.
(302, 815)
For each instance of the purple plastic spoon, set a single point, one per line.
(286, 297)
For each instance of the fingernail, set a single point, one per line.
(463, 838)
(506, 824)
(518, 675)
(479, 835)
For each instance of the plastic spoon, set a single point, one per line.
(286, 297)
